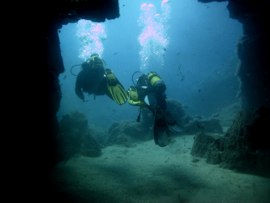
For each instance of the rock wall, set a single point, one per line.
(38, 57)
(245, 146)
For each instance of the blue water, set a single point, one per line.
(199, 62)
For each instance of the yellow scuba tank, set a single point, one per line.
(153, 78)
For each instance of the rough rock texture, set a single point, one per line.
(74, 137)
(245, 146)
(42, 49)
(202, 125)
(36, 47)
(127, 133)
(202, 142)
(177, 112)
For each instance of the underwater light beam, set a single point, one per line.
(91, 36)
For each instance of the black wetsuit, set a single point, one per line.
(157, 104)
(91, 81)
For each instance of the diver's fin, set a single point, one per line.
(161, 132)
(115, 89)
(139, 116)
(118, 93)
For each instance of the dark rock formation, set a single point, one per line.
(205, 146)
(202, 125)
(46, 48)
(128, 133)
(177, 112)
(74, 137)
(37, 46)
(245, 147)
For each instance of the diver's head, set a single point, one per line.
(94, 55)
(95, 59)
(92, 58)
(85, 65)
(142, 81)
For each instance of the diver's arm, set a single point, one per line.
(78, 87)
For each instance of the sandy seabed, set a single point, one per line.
(147, 173)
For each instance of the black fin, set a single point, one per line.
(161, 136)
(139, 116)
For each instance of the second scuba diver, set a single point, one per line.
(149, 92)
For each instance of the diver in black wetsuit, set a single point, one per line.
(149, 92)
(95, 78)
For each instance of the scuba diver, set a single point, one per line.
(95, 79)
(149, 92)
